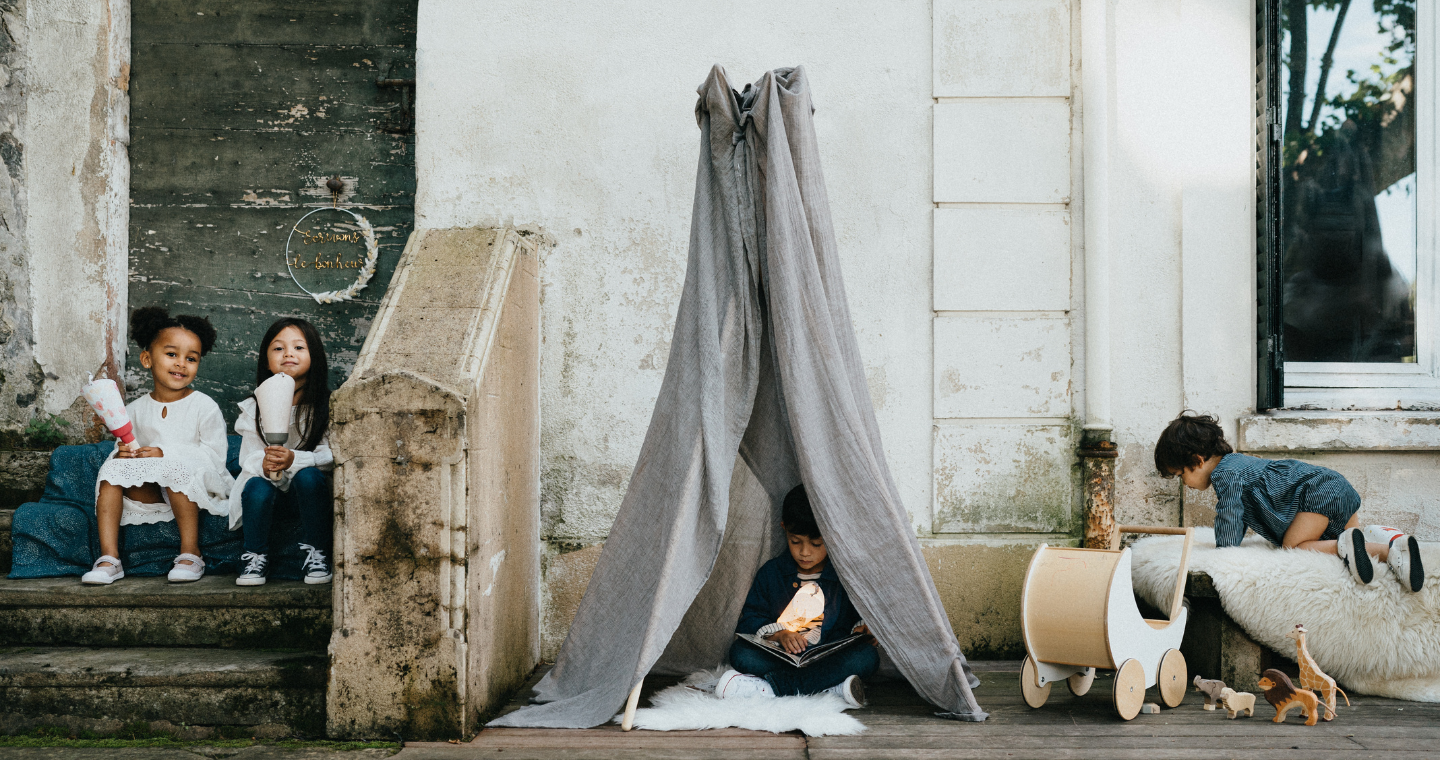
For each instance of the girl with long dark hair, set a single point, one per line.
(295, 476)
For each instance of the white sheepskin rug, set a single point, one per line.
(692, 705)
(1376, 639)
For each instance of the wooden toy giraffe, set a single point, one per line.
(1311, 677)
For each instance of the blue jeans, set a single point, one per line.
(855, 660)
(309, 495)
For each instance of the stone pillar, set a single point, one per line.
(436, 439)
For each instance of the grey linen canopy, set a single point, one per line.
(763, 363)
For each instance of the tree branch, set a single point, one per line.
(1325, 64)
(1299, 53)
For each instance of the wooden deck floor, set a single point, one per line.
(900, 725)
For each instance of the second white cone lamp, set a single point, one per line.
(273, 399)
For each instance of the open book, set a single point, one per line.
(811, 654)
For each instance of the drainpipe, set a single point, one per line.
(1097, 449)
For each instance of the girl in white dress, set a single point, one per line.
(294, 477)
(176, 465)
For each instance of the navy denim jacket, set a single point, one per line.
(775, 585)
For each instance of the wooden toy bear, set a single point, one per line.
(1282, 694)
(1211, 690)
(1311, 677)
(1237, 701)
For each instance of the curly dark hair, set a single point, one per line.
(1189, 440)
(315, 397)
(796, 514)
(146, 324)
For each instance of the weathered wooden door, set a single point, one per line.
(240, 113)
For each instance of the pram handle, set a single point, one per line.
(1159, 529)
(1189, 533)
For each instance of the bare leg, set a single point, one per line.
(107, 516)
(108, 508)
(187, 521)
(1305, 532)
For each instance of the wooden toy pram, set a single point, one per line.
(1078, 613)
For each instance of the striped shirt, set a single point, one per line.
(1264, 495)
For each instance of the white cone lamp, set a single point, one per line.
(273, 399)
(104, 397)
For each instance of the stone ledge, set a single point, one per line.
(176, 667)
(1293, 431)
(210, 591)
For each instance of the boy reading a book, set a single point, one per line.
(797, 602)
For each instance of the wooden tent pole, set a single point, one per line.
(628, 721)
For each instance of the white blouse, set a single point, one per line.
(252, 455)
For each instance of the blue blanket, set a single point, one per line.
(58, 535)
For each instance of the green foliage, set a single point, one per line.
(46, 433)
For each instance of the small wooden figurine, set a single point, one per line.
(1211, 690)
(1311, 676)
(1282, 694)
(1236, 701)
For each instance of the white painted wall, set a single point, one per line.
(76, 174)
(968, 291)
(579, 118)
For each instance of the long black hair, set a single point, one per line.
(315, 396)
(147, 322)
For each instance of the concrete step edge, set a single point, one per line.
(167, 667)
(210, 591)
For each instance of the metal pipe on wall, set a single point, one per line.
(1097, 452)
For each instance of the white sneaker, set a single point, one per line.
(1352, 552)
(254, 572)
(316, 567)
(183, 572)
(104, 575)
(733, 683)
(1405, 563)
(852, 690)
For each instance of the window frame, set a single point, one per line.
(1346, 385)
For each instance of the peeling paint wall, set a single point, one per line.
(75, 130)
(64, 69)
(579, 118)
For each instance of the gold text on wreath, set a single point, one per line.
(317, 236)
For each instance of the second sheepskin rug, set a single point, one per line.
(1376, 639)
(692, 705)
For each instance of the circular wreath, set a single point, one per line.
(367, 270)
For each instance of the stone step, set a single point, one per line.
(7, 516)
(100, 689)
(145, 612)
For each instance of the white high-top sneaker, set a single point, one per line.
(1404, 559)
(733, 683)
(852, 690)
(1351, 548)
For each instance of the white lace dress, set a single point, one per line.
(191, 433)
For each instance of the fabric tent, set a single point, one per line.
(763, 363)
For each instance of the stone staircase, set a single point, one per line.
(202, 659)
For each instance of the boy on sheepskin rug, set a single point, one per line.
(1288, 502)
(797, 601)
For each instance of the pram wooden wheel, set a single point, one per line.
(1030, 689)
(1080, 682)
(1129, 689)
(1172, 678)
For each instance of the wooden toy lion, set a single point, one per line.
(1211, 690)
(1237, 701)
(1282, 694)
